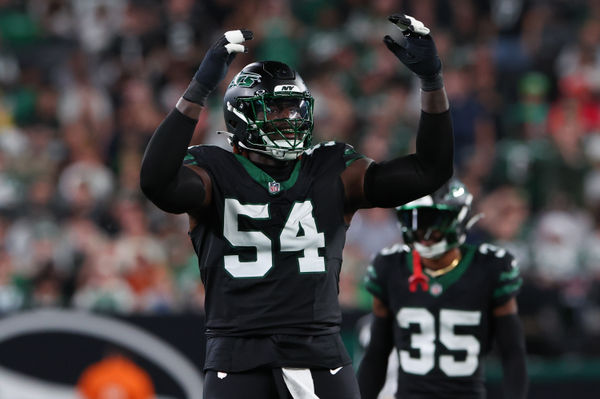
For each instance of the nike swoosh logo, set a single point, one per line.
(334, 371)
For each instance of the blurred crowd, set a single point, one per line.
(83, 84)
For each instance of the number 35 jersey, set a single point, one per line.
(270, 251)
(443, 334)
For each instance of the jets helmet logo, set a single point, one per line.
(245, 79)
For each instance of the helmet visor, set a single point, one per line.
(427, 223)
(274, 108)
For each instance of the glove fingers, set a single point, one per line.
(408, 23)
(399, 49)
(235, 48)
(238, 36)
(234, 38)
(400, 21)
(215, 63)
(248, 35)
(393, 45)
(418, 26)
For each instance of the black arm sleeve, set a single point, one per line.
(163, 180)
(509, 335)
(401, 180)
(373, 367)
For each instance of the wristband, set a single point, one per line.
(196, 92)
(432, 83)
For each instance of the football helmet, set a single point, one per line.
(268, 109)
(440, 219)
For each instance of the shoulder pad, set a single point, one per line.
(497, 255)
(493, 250)
(394, 249)
(203, 153)
(319, 147)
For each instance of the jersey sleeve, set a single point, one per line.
(350, 155)
(508, 280)
(208, 157)
(375, 279)
(190, 156)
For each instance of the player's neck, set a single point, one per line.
(262, 159)
(448, 260)
(278, 170)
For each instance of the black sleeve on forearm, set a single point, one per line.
(401, 180)
(511, 343)
(372, 371)
(163, 180)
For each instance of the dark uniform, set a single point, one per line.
(270, 251)
(270, 254)
(442, 335)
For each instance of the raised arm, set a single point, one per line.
(163, 178)
(400, 180)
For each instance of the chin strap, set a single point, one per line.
(417, 278)
(280, 155)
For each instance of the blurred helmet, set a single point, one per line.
(436, 223)
(268, 109)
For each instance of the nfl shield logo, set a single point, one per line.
(274, 187)
(436, 289)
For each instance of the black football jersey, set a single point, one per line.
(270, 251)
(443, 334)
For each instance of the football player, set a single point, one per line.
(440, 302)
(268, 220)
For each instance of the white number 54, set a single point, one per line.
(299, 219)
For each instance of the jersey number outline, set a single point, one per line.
(299, 219)
(424, 341)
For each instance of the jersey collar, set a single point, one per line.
(446, 280)
(272, 186)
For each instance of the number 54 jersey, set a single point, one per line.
(270, 251)
(443, 334)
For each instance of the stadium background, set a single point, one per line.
(83, 84)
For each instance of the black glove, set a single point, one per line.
(416, 50)
(214, 65)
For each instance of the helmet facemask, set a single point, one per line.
(440, 226)
(279, 125)
(436, 223)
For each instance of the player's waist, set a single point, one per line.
(278, 350)
(306, 328)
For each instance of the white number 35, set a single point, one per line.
(424, 341)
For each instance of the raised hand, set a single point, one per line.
(215, 63)
(416, 49)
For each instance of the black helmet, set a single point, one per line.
(444, 211)
(251, 105)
